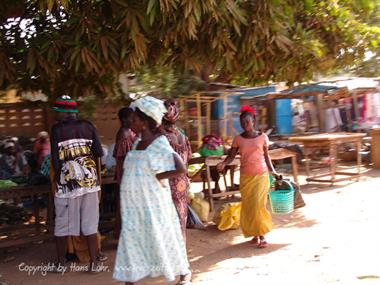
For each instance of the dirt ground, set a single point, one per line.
(335, 239)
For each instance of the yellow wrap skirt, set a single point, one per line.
(255, 219)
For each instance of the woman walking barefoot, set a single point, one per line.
(255, 219)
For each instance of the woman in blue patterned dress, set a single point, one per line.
(151, 242)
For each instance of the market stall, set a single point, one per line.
(27, 231)
(330, 142)
(39, 225)
(196, 115)
(300, 110)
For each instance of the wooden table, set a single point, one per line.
(213, 161)
(282, 153)
(330, 141)
(36, 231)
(38, 234)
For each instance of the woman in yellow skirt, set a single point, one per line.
(255, 219)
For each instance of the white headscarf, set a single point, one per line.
(43, 134)
(150, 106)
(9, 144)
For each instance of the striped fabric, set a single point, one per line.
(65, 104)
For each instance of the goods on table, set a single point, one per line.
(10, 214)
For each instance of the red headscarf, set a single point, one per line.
(249, 109)
(172, 114)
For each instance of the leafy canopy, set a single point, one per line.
(81, 46)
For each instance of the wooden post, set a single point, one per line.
(208, 118)
(49, 118)
(356, 107)
(348, 118)
(295, 168)
(333, 157)
(182, 104)
(272, 111)
(231, 124)
(199, 119)
(225, 109)
(307, 160)
(321, 112)
(209, 186)
(358, 156)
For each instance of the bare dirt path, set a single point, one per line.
(335, 239)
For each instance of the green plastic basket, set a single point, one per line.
(282, 201)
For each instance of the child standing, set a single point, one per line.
(255, 219)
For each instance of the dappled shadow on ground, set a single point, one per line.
(217, 247)
(208, 250)
(295, 219)
(370, 173)
(313, 188)
(230, 251)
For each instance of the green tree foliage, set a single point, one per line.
(81, 46)
(370, 66)
(165, 81)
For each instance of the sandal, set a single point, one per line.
(101, 257)
(254, 240)
(186, 282)
(263, 244)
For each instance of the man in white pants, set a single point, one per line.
(75, 150)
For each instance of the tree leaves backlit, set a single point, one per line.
(81, 46)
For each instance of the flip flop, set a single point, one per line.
(186, 282)
(254, 240)
(101, 257)
(262, 244)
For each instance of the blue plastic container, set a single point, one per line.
(233, 105)
(233, 102)
(284, 116)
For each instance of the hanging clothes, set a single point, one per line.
(311, 114)
(344, 115)
(376, 107)
(362, 109)
(333, 121)
(372, 110)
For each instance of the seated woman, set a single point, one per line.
(213, 145)
(41, 147)
(12, 162)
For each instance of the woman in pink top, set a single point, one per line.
(255, 219)
(41, 147)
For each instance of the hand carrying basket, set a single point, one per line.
(282, 201)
